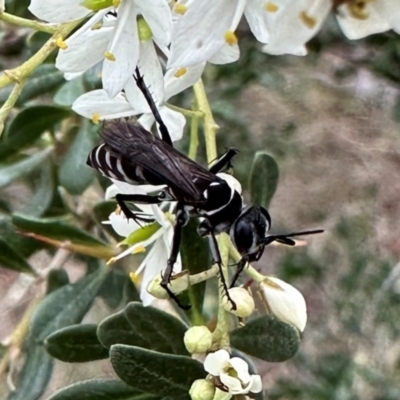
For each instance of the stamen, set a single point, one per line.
(109, 56)
(180, 72)
(139, 249)
(96, 118)
(230, 38)
(308, 21)
(271, 7)
(135, 278)
(180, 9)
(116, 3)
(61, 44)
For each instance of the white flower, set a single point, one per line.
(232, 372)
(360, 19)
(116, 42)
(293, 23)
(155, 261)
(284, 301)
(58, 10)
(98, 105)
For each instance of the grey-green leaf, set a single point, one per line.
(146, 327)
(56, 279)
(11, 259)
(28, 126)
(157, 373)
(100, 389)
(35, 374)
(267, 338)
(10, 173)
(69, 92)
(74, 175)
(75, 344)
(66, 306)
(264, 176)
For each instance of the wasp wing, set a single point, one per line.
(135, 146)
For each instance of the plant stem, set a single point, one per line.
(23, 71)
(210, 127)
(185, 112)
(27, 23)
(9, 104)
(194, 138)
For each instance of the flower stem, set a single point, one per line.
(23, 71)
(9, 104)
(194, 138)
(28, 23)
(210, 127)
(185, 112)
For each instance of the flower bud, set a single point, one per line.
(179, 283)
(243, 300)
(202, 389)
(284, 301)
(198, 339)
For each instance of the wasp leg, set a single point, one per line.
(136, 198)
(217, 259)
(240, 267)
(181, 220)
(166, 137)
(224, 160)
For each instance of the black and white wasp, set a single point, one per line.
(132, 154)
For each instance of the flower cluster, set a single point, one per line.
(120, 35)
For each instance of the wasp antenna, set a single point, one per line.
(303, 233)
(147, 95)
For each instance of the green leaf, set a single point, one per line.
(12, 172)
(157, 373)
(69, 92)
(55, 228)
(267, 338)
(43, 193)
(66, 306)
(35, 374)
(56, 279)
(112, 291)
(146, 327)
(76, 343)
(264, 178)
(195, 255)
(44, 79)
(74, 175)
(100, 389)
(28, 126)
(11, 259)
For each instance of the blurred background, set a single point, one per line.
(330, 120)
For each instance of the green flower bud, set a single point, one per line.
(144, 30)
(243, 300)
(202, 389)
(198, 339)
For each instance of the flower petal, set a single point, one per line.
(226, 54)
(233, 384)
(255, 15)
(199, 33)
(215, 362)
(58, 10)
(124, 48)
(174, 121)
(241, 367)
(122, 225)
(255, 384)
(157, 14)
(97, 102)
(84, 50)
(357, 28)
(285, 302)
(292, 24)
(176, 83)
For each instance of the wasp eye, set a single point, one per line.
(242, 235)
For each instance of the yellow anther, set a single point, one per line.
(180, 72)
(358, 9)
(116, 3)
(271, 7)
(230, 38)
(109, 56)
(118, 210)
(134, 278)
(96, 118)
(308, 21)
(61, 44)
(180, 9)
(97, 26)
(139, 249)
